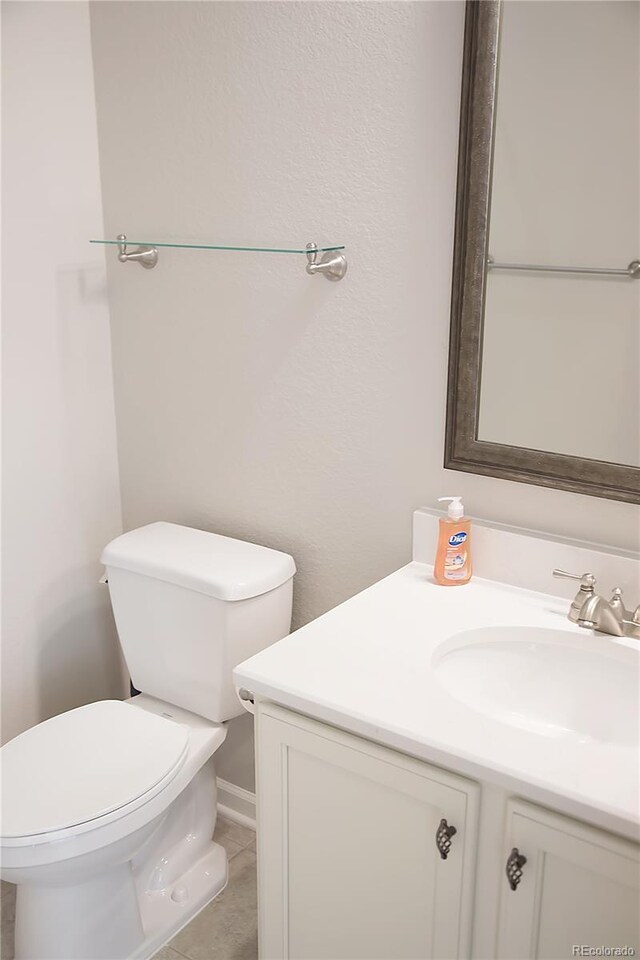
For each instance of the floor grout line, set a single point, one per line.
(179, 952)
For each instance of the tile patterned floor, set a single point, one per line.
(225, 930)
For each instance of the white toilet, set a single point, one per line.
(108, 811)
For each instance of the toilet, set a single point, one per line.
(108, 810)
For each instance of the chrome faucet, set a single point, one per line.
(593, 612)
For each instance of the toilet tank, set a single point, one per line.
(189, 606)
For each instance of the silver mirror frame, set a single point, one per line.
(463, 451)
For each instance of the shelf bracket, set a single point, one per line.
(332, 266)
(147, 257)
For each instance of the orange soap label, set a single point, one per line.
(455, 564)
(455, 561)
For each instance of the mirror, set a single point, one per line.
(545, 321)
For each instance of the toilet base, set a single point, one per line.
(59, 922)
(65, 919)
(166, 912)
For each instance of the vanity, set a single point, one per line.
(450, 773)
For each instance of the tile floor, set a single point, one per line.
(225, 930)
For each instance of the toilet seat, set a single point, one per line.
(97, 760)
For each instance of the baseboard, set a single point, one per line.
(237, 804)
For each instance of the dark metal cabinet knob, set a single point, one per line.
(515, 863)
(444, 833)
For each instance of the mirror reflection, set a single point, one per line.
(561, 347)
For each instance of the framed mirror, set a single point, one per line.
(545, 312)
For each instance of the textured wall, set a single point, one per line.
(60, 482)
(252, 399)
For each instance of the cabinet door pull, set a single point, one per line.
(515, 863)
(443, 838)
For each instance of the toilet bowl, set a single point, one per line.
(150, 857)
(108, 810)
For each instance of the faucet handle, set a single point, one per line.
(617, 604)
(587, 580)
(586, 591)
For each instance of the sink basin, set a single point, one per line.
(553, 683)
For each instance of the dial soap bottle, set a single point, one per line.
(453, 556)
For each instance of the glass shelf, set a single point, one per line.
(212, 246)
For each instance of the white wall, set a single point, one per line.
(252, 399)
(565, 191)
(61, 498)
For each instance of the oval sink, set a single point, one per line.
(550, 682)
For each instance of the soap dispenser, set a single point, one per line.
(453, 556)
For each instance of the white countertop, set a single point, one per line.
(367, 667)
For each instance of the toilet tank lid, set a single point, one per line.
(205, 562)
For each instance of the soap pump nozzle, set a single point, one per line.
(455, 510)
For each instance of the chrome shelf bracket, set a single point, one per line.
(332, 266)
(147, 257)
(330, 263)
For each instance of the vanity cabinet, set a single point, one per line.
(357, 859)
(579, 885)
(348, 861)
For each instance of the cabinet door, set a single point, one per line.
(348, 865)
(579, 887)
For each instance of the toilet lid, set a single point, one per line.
(84, 764)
